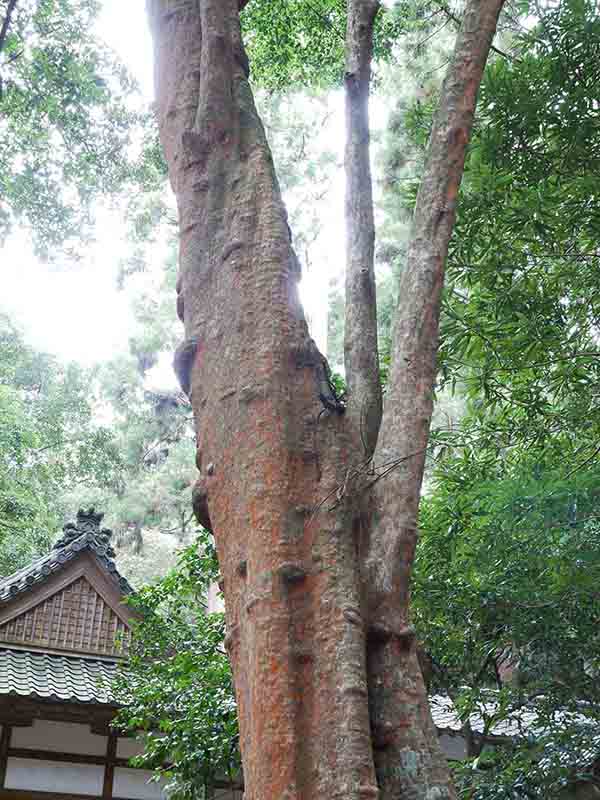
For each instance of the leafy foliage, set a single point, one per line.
(177, 685)
(66, 120)
(48, 441)
(300, 43)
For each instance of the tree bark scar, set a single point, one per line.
(232, 248)
(180, 308)
(291, 572)
(200, 505)
(309, 356)
(195, 149)
(180, 303)
(183, 362)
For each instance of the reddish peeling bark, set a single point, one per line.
(316, 620)
(268, 449)
(408, 762)
(361, 359)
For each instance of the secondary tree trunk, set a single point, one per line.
(361, 357)
(398, 699)
(316, 624)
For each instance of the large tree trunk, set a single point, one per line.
(282, 478)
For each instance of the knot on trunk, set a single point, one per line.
(183, 361)
(292, 573)
(380, 632)
(383, 735)
(200, 505)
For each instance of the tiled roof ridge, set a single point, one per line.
(88, 523)
(85, 535)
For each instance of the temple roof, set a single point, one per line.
(45, 676)
(522, 723)
(63, 624)
(85, 535)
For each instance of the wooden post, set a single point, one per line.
(4, 745)
(109, 769)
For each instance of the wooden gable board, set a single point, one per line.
(77, 610)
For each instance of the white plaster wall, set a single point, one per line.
(454, 747)
(59, 737)
(135, 784)
(214, 600)
(128, 747)
(48, 776)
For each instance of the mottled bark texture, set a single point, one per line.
(315, 561)
(409, 765)
(360, 333)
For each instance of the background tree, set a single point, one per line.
(67, 113)
(49, 440)
(151, 427)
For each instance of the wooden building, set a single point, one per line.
(63, 631)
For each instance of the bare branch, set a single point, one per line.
(360, 338)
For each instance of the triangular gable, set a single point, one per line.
(80, 616)
(85, 536)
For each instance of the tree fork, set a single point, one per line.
(315, 569)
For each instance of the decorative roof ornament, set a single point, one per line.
(84, 535)
(88, 525)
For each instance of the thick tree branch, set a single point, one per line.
(406, 421)
(453, 18)
(410, 394)
(360, 337)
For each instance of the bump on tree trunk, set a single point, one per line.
(313, 511)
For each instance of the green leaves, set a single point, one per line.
(49, 442)
(66, 121)
(177, 685)
(296, 44)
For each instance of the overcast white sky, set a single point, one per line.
(77, 312)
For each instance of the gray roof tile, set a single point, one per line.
(24, 673)
(520, 723)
